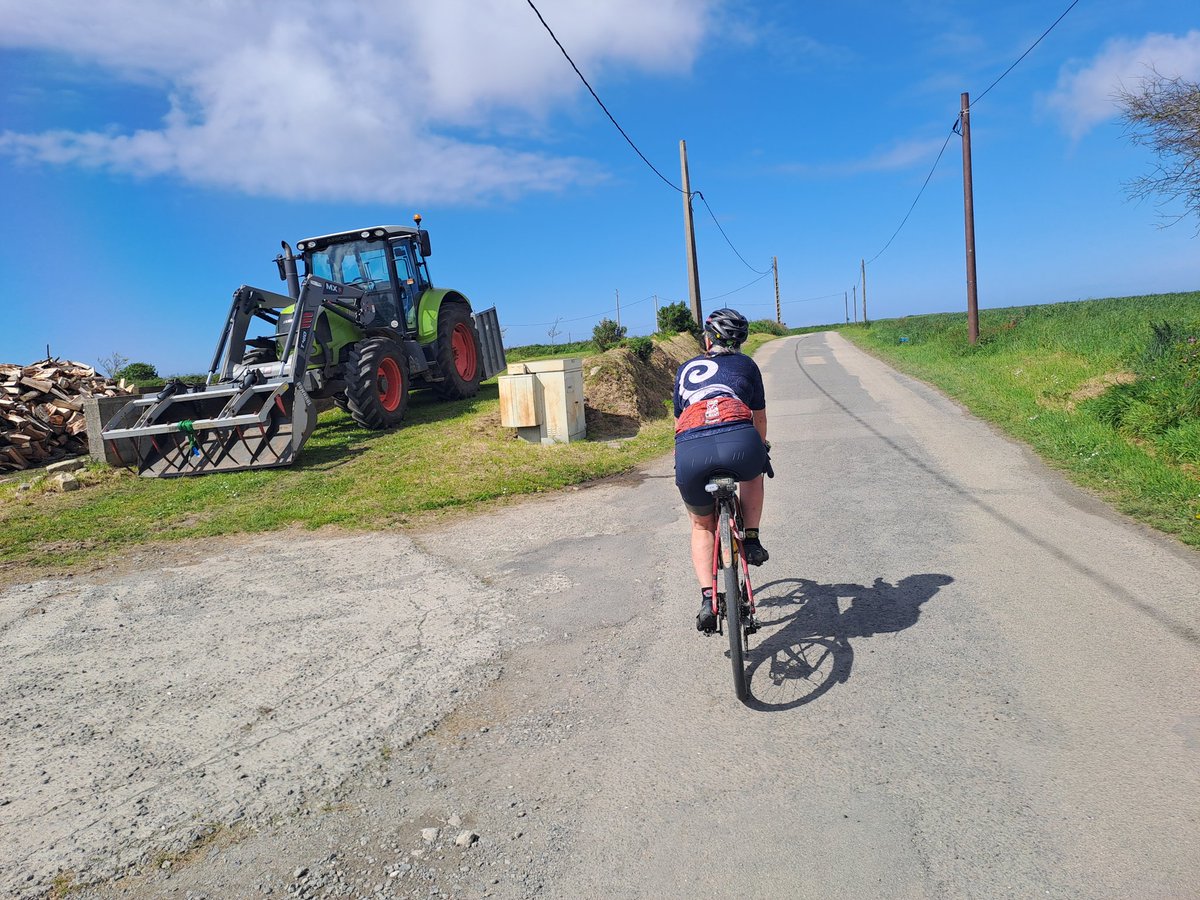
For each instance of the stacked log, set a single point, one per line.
(41, 410)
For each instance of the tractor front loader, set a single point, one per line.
(253, 415)
(362, 325)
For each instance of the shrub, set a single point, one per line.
(607, 334)
(138, 372)
(676, 317)
(642, 347)
(768, 326)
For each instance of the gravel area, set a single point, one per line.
(151, 711)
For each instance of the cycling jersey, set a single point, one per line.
(714, 393)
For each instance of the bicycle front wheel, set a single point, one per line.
(733, 605)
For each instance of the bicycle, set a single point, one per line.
(734, 606)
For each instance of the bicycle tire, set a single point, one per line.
(733, 604)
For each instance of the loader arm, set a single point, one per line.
(245, 416)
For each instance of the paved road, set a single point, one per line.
(976, 681)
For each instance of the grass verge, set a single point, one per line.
(1098, 388)
(447, 456)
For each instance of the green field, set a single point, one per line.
(1106, 390)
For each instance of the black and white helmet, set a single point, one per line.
(726, 327)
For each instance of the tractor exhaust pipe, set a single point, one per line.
(287, 271)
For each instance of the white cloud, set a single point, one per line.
(348, 100)
(1083, 97)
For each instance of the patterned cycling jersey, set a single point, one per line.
(713, 411)
(732, 380)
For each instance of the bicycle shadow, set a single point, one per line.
(800, 661)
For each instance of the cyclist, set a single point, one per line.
(720, 424)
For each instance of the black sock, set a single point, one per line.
(706, 593)
(752, 534)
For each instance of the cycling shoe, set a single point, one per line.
(706, 619)
(756, 553)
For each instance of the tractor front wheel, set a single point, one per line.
(376, 383)
(458, 353)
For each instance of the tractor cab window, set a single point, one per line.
(407, 275)
(365, 265)
(356, 262)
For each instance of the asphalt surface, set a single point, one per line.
(975, 681)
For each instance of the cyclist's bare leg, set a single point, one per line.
(704, 531)
(751, 495)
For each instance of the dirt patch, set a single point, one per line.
(622, 391)
(1094, 387)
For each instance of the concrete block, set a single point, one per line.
(98, 412)
(65, 465)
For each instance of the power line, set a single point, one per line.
(601, 102)
(953, 130)
(954, 127)
(742, 288)
(579, 318)
(629, 140)
(727, 240)
(1025, 54)
(813, 299)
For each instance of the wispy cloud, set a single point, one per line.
(1083, 97)
(749, 25)
(904, 154)
(336, 99)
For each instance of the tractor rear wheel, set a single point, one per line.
(458, 353)
(376, 383)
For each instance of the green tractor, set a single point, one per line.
(361, 324)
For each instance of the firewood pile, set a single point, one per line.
(41, 410)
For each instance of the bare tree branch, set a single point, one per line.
(1163, 114)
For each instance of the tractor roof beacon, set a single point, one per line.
(361, 323)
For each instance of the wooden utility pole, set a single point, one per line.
(689, 236)
(864, 280)
(969, 221)
(775, 268)
(618, 291)
(854, 305)
(846, 303)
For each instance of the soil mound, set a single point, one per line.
(622, 391)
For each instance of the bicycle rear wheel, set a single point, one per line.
(733, 604)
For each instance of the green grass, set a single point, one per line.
(809, 329)
(1041, 373)
(532, 352)
(447, 456)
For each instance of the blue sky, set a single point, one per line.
(153, 155)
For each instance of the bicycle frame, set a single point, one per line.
(720, 562)
(729, 604)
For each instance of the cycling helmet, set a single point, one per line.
(726, 327)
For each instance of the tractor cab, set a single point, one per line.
(387, 262)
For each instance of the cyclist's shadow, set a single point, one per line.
(807, 650)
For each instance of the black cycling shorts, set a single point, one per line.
(736, 451)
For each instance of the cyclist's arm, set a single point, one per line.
(759, 418)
